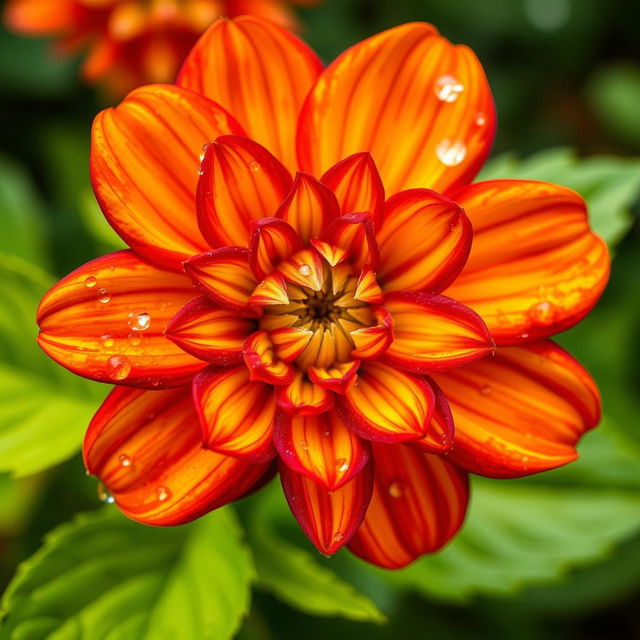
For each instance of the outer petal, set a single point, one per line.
(520, 412)
(535, 268)
(424, 242)
(240, 181)
(321, 447)
(257, 71)
(357, 185)
(434, 332)
(210, 333)
(145, 446)
(106, 321)
(272, 241)
(236, 415)
(225, 277)
(440, 432)
(328, 518)
(309, 207)
(303, 398)
(419, 105)
(39, 17)
(144, 168)
(388, 405)
(419, 503)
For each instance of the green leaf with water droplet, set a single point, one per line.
(104, 576)
(610, 185)
(294, 576)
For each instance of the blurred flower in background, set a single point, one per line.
(133, 42)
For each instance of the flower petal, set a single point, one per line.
(303, 398)
(535, 267)
(146, 447)
(434, 332)
(290, 342)
(367, 289)
(309, 207)
(328, 518)
(421, 106)
(240, 181)
(260, 73)
(304, 268)
(320, 447)
(106, 321)
(440, 432)
(236, 415)
(224, 276)
(40, 17)
(372, 342)
(520, 412)
(210, 333)
(272, 241)
(262, 362)
(354, 233)
(357, 185)
(419, 503)
(144, 168)
(388, 405)
(424, 242)
(272, 290)
(339, 377)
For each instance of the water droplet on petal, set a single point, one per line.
(103, 295)
(254, 166)
(124, 460)
(486, 390)
(305, 270)
(118, 367)
(480, 120)
(396, 489)
(448, 88)
(163, 493)
(90, 282)
(134, 340)
(342, 464)
(451, 152)
(104, 495)
(326, 433)
(339, 537)
(107, 341)
(543, 313)
(139, 321)
(304, 445)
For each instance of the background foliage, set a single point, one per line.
(555, 556)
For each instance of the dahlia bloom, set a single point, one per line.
(133, 42)
(315, 286)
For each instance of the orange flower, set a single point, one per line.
(341, 319)
(131, 42)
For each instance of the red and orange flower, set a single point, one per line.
(325, 286)
(132, 42)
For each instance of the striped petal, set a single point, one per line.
(421, 106)
(368, 290)
(240, 181)
(272, 290)
(371, 342)
(106, 321)
(304, 268)
(309, 207)
(144, 168)
(333, 255)
(424, 242)
(236, 415)
(210, 333)
(272, 241)
(388, 405)
(357, 185)
(224, 276)
(320, 447)
(535, 267)
(290, 342)
(434, 332)
(339, 377)
(440, 432)
(328, 518)
(303, 398)
(262, 361)
(260, 73)
(146, 447)
(354, 233)
(419, 503)
(521, 412)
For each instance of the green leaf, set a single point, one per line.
(104, 576)
(610, 185)
(21, 215)
(44, 409)
(294, 576)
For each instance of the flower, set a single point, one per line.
(132, 42)
(325, 286)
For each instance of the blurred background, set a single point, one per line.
(555, 556)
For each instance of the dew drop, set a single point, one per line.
(139, 321)
(480, 120)
(342, 464)
(304, 445)
(525, 459)
(163, 493)
(134, 340)
(103, 295)
(451, 152)
(90, 282)
(124, 460)
(254, 166)
(104, 495)
(107, 341)
(339, 537)
(326, 433)
(396, 489)
(543, 313)
(524, 335)
(305, 270)
(118, 367)
(485, 390)
(448, 88)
